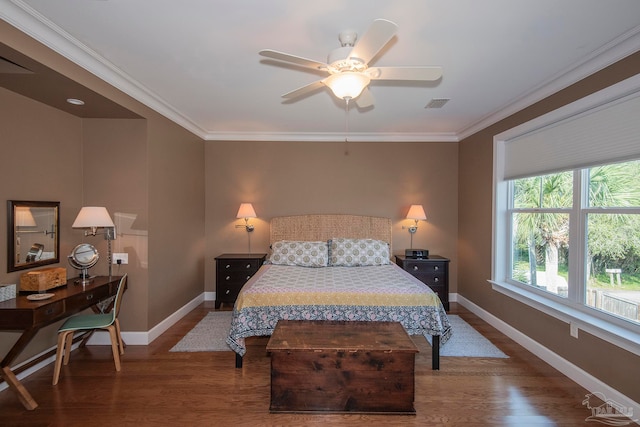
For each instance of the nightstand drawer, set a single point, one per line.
(234, 277)
(430, 279)
(228, 292)
(249, 265)
(420, 267)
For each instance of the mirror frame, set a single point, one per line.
(12, 235)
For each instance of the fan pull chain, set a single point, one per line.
(346, 126)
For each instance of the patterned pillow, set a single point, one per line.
(305, 254)
(358, 252)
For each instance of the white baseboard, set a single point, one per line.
(145, 338)
(102, 338)
(567, 368)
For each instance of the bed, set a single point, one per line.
(334, 267)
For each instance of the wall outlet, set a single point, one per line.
(573, 330)
(123, 257)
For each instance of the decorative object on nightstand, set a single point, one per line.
(94, 217)
(232, 272)
(246, 211)
(416, 213)
(432, 271)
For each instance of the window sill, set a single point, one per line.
(610, 331)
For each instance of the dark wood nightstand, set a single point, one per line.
(232, 272)
(432, 271)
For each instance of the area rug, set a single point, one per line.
(210, 334)
(467, 342)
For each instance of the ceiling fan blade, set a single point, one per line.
(405, 73)
(373, 40)
(304, 90)
(365, 99)
(298, 60)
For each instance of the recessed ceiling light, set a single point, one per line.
(75, 101)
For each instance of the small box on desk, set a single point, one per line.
(42, 280)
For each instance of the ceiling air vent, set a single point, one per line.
(437, 103)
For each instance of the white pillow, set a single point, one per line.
(305, 254)
(358, 252)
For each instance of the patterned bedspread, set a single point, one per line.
(375, 293)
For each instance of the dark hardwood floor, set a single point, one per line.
(156, 387)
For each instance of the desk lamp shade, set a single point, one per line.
(93, 217)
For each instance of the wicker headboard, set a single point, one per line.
(324, 227)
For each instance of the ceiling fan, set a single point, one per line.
(348, 69)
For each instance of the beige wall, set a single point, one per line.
(40, 160)
(132, 167)
(609, 363)
(176, 219)
(292, 178)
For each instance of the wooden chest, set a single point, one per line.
(44, 279)
(326, 366)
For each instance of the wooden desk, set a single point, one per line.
(30, 316)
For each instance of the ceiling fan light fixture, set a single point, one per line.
(347, 85)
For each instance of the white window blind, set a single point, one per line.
(607, 133)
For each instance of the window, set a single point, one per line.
(566, 222)
(540, 231)
(540, 213)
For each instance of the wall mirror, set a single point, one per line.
(33, 232)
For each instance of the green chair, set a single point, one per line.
(91, 322)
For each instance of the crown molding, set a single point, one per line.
(331, 137)
(608, 54)
(31, 22)
(34, 24)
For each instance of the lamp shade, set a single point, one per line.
(93, 216)
(24, 217)
(246, 211)
(416, 212)
(347, 84)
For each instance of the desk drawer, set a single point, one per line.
(87, 299)
(48, 312)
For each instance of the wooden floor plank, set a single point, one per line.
(157, 387)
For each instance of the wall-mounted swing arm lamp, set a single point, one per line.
(416, 213)
(246, 211)
(92, 218)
